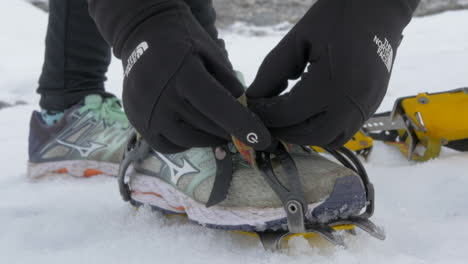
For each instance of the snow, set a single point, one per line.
(424, 207)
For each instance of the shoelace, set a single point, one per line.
(109, 110)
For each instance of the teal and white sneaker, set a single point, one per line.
(88, 140)
(190, 183)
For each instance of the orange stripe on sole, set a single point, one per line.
(92, 172)
(148, 193)
(179, 208)
(61, 171)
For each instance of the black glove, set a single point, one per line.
(350, 46)
(180, 89)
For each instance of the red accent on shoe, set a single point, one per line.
(92, 172)
(61, 171)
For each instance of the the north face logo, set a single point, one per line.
(385, 52)
(136, 54)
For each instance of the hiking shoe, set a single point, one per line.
(182, 184)
(88, 140)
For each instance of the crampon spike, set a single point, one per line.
(272, 241)
(365, 224)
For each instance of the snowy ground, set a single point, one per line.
(424, 207)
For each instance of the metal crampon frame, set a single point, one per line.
(295, 204)
(292, 198)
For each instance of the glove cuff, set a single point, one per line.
(411, 4)
(116, 19)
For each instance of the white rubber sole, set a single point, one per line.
(75, 168)
(157, 193)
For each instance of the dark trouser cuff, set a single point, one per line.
(62, 102)
(76, 56)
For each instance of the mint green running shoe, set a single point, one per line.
(218, 188)
(88, 140)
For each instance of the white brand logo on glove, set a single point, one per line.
(252, 138)
(385, 52)
(136, 54)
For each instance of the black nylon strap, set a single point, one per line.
(293, 199)
(351, 161)
(136, 150)
(224, 173)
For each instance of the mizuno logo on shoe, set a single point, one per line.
(84, 151)
(385, 51)
(177, 171)
(135, 56)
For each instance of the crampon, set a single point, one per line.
(298, 223)
(419, 126)
(277, 172)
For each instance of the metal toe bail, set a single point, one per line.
(293, 199)
(351, 161)
(295, 203)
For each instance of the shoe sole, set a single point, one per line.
(347, 199)
(75, 168)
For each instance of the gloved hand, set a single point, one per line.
(343, 50)
(179, 89)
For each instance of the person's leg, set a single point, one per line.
(76, 56)
(81, 130)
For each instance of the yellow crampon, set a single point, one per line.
(440, 118)
(422, 124)
(314, 239)
(304, 235)
(361, 143)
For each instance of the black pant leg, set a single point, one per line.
(76, 56)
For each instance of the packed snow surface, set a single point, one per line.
(424, 207)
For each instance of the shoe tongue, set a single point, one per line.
(93, 99)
